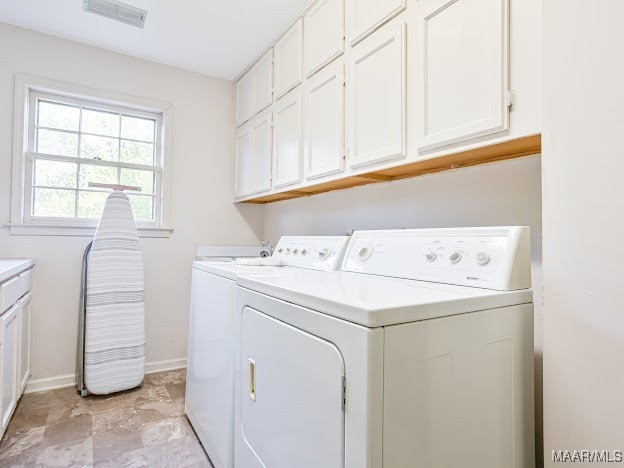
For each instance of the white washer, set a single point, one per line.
(419, 353)
(209, 402)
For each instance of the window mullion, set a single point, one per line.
(78, 164)
(95, 162)
(119, 150)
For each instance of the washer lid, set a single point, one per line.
(375, 301)
(231, 270)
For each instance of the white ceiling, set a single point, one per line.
(215, 37)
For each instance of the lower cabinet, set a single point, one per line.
(15, 324)
(9, 324)
(24, 344)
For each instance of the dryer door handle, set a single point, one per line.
(252, 379)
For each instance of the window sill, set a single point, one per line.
(35, 229)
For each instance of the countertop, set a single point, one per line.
(12, 266)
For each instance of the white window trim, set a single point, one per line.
(20, 224)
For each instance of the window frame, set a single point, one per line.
(28, 90)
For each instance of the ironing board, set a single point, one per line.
(114, 338)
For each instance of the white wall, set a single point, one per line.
(583, 226)
(507, 193)
(202, 212)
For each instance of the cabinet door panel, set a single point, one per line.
(463, 70)
(288, 144)
(288, 60)
(243, 162)
(24, 345)
(377, 98)
(324, 122)
(365, 16)
(324, 34)
(262, 148)
(243, 98)
(253, 156)
(9, 340)
(262, 94)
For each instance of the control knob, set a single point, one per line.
(455, 257)
(366, 252)
(323, 254)
(296, 251)
(482, 258)
(431, 256)
(304, 252)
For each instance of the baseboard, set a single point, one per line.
(161, 366)
(50, 383)
(69, 380)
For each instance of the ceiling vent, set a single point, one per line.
(117, 11)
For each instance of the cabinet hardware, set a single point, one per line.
(510, 98)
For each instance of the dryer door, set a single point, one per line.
(292, 399)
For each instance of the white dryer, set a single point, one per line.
(419, 353)
(209, 402)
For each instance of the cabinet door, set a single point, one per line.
(253, 156)
(9, 342)
(364, 16)
(287, 140)
(243, 162)
(376, 113)
(324, 34)
(262, 92)
(24, 344)
(289, 60)
(324, 146)
(462, 70)
(243, 98)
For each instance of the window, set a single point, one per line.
(74, 139)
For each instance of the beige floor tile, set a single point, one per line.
(177, 453)
(166, 430)
(145, 426)
(79, 453)
(68, 430)
(15, 443)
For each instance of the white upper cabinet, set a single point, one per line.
(364, 16)
(323, 34)
(324, 112)
(253, 156)
(289, 60)
(262, 94)
(243, 161)
(243, 98)
(287, 140)
(376, 84)
(462, 78)
(254, 90)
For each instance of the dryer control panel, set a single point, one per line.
(313, 252)
(491, 257)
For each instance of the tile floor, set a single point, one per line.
(141, 427)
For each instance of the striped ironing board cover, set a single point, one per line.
(115, 305)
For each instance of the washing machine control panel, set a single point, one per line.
(314, 252)
(494, 258)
